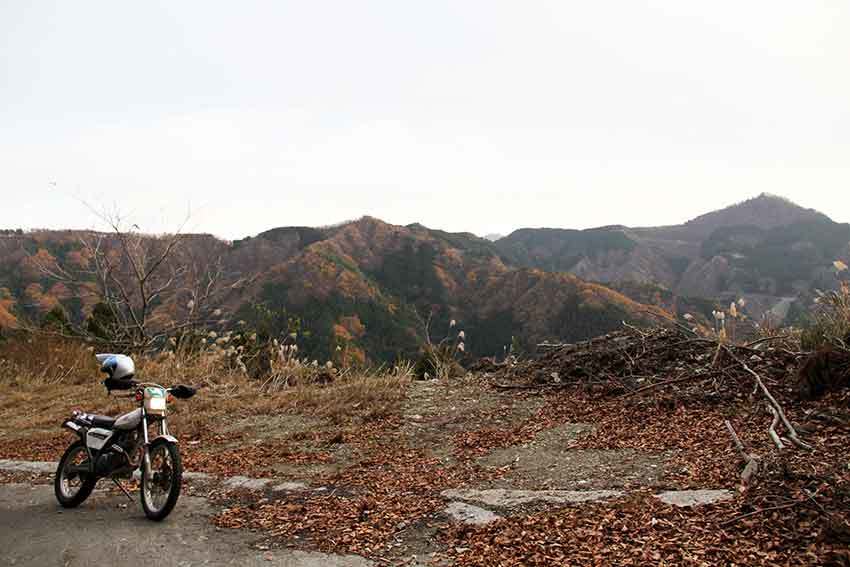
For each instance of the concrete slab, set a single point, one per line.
(689, 498)
(468, 514)
(247, 483)
(28, 466)
(504, 498)
(290, 487)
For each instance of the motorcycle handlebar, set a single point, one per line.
(181, 391)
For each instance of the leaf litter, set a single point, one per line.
(654, 392)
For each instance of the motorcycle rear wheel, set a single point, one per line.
(72, 488)
(161, 484)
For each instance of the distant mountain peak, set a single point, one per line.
(765, 211)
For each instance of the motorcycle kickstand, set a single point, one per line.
(121, 486)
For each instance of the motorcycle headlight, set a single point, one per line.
(155, 400)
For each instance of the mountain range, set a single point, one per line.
(369, 289)
(766, 249)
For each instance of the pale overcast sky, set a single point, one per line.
(483, 116)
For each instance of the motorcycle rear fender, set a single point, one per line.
(75, 427)
(81, 432)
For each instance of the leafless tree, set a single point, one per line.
(150, 286)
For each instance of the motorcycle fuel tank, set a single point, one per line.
(129, 420)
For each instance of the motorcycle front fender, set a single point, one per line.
(147, 456)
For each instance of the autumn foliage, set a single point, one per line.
(361, 289)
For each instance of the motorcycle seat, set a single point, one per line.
(103, 421)
(93, 420)
(124, 422)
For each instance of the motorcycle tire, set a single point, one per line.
(72, 499)
(174, 477)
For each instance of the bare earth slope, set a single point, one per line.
(766, 248)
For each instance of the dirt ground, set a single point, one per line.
(548, 462)
(436, 412)
(476, 435)
(375, 485)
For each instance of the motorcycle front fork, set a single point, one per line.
(163, 430)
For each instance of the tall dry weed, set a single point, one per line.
(59, 375)
(831, 320)
(45, 359)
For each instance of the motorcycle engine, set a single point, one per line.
(109, 462)
(114, 459)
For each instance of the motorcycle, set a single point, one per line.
(116, 447)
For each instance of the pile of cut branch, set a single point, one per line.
(674, 366)
(634, 361)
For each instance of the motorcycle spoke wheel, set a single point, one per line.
(161, 483)
(70, 481)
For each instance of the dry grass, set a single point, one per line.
(367, 395)
(30, 359)
(831, 325)
(44, 380)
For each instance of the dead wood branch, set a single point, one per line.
(772, 430)
(522, 386)
(662, 384)
(635, 329)
(760, 511)
(667, 320)
(754, 344)
(840, 419)
(792, 432)
(752, 467)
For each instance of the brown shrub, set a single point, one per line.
(824, 371)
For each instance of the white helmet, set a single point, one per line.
(117, 366)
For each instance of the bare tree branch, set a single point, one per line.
(133, 274)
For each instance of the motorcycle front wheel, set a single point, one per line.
(72, 483)
(161, 483)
